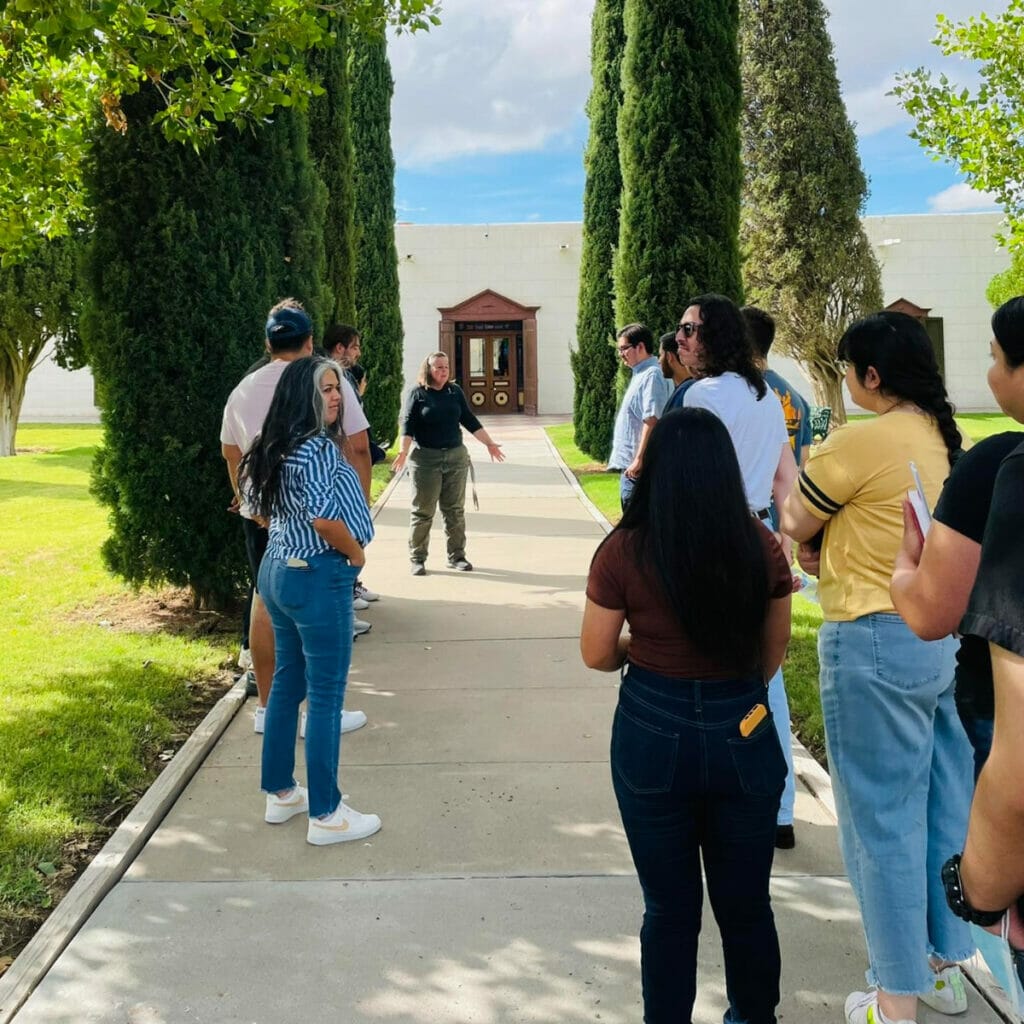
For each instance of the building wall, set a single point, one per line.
(939, 261)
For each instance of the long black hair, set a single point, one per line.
(726, 342)
(1008, 327)
(899, 349)
(297, 413)
(692, 531)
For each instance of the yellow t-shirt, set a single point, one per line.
(855, 481)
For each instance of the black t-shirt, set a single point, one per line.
(964, 506)
(432, 416)
(995, 611)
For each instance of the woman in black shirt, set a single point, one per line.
(435, 412)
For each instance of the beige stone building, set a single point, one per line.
(501, 300)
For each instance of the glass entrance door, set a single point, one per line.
(489, 372)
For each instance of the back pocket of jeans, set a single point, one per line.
(643, 755)
(759, 761)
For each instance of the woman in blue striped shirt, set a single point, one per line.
(319, 525)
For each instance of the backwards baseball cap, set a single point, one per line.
(288, 324)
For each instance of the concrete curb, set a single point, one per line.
(574, 483)
(113, 860)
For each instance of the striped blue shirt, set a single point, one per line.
(316, 483)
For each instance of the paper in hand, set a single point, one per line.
(919, 503)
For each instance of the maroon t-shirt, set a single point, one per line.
(658, 642)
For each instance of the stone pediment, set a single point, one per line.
(902, 305)
(488, 305)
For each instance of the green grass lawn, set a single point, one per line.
(96, 681)
(801, 668)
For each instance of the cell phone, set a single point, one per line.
(752, 719)
(919, 503)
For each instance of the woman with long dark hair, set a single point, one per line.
(319, 524)
(696, 762)
(899, 759)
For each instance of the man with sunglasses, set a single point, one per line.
(642, 405)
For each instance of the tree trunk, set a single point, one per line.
(828, 390)
(12, 394)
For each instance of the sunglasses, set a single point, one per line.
(689, 329)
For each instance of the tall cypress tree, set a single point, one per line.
(188, 253)
(594, 362)
(679, 149)
(807, 259)
(330, 143)
(378, 309)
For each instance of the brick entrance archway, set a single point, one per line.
(491, 343)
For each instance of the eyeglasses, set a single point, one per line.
(623, 349)
(689, 329)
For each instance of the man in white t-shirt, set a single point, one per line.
(715, 344)
(289, 337)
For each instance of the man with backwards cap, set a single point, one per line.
(289, 337)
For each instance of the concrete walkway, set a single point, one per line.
(500, 890)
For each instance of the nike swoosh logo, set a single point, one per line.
(343, 827)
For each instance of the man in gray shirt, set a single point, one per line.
(641, 407)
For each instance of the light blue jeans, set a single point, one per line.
(901, 775)
(778, 704)
(311, 611)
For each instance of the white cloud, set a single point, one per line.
(961, 199)
(493, 78)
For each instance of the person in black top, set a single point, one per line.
(933, 580)
(435, 412)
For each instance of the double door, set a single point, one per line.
(489, 372)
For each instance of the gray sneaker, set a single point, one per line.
(461, 564)
(418, 569)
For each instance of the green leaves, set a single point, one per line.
(63, 64)
(981, 131)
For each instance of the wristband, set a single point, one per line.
(957, 898)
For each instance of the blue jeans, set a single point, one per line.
(901, 776)
(688, 784)
(979, 730)
(779, 705)
(311, 611)
(627, 486)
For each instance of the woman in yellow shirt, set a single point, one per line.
(899, 758)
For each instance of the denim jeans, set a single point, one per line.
(901, 776)
(627, 485)
(979, 730)
(779, 705)
(438, 476)
(311, 611)
(688, 784)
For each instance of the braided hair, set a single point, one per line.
(899, 349)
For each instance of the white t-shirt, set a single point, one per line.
(248, 404)
(757, 428)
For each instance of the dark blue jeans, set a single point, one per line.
(689, 785)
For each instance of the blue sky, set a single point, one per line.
(488, 119)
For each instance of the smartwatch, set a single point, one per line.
(957, 899)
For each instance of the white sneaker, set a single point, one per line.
(245, 659)
(863, 1008)
(363, 591)
(359, 627)
(360, 604)
(350, 721)
(259, 720)
(342, 826)
(948, 993)
(282, 808)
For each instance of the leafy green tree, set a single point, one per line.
(807, 260)
(189, 251)
(1010, 283)
(39, 304)
(594, 362)
(679, 149)
(232, 62)
(330, 142)
(979, 130)
(378, 310)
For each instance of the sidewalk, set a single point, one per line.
(500, 889)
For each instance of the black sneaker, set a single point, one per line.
(785, 838)
(418, 569)
(460, 564)
(250, 684)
